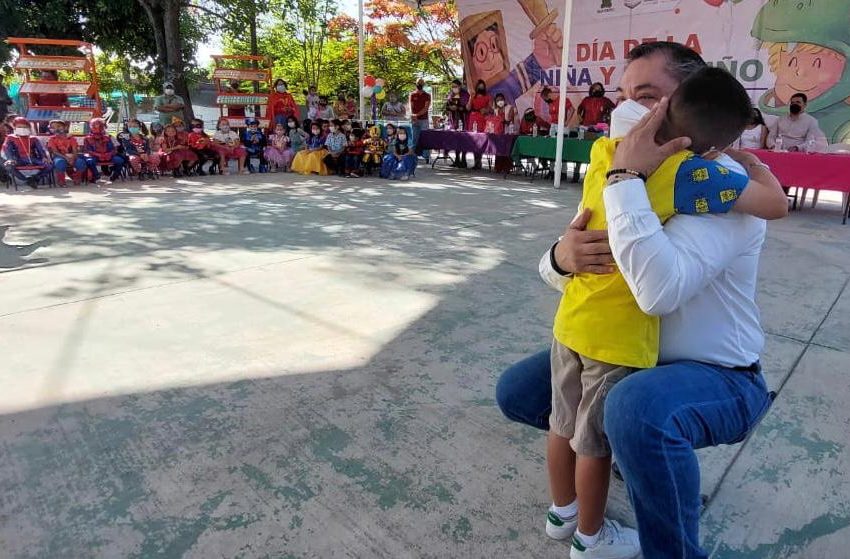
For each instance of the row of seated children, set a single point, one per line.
(352, 151)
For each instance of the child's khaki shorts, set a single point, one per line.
(579, 387)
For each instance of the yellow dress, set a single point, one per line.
(309, 162)
(598, 316)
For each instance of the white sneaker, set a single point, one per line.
(559, 528)
(615, 542)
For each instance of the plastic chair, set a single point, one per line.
(47, 178)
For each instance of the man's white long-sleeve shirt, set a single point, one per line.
(698, 272)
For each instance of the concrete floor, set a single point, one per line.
(276, 366)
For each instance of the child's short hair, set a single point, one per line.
(710, 107)
(336, 122)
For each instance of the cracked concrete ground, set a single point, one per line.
(276, 366)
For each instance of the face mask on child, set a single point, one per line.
(291, 124)
(196, 129)
(224, 128)
(315, 131)
(134, 129)
(169, 91)
(455, 89)
(22, 131)
(500, 103)
(333, 129)
(402, 137)
(280, 88)
(625, 116)
(60, 132)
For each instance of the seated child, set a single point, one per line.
(137, 148)
(374, 149)
(335, 142)
(254, 142)
(354, 153)
(175, 153)
(201, 145)
(600, 333)
(99, 146)
(311, 159)
(297, 137)
(226, 143)
(21, 149)
(400, 161)
(278, 152)
(64, 151)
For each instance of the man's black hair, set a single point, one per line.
(711, 107)
(802, 96)
(681, 61)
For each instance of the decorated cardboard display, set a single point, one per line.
(242, 68)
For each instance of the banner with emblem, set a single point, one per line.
(775, 47)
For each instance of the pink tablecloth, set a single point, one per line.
(820, 171)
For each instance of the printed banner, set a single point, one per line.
(774, 47)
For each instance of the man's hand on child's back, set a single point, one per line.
(582, 251)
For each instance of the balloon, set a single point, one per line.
(370, 81)
(366, 91)
(381, 82)
(381, 95)
(377, 89)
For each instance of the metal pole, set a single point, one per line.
(562, 98)
(361, 40)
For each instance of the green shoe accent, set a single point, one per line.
(554, 519)
(578, 545)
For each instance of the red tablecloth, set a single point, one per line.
(820, 171)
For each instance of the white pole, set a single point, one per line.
(562, 98)
(361, 64)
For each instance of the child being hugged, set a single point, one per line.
(311, 159)
(601, 335)
(354, 153)
(201, 145)
(255, 143)
(278, 152)
(226, 143)
(65, 153)
(99, 146)
(138, 149)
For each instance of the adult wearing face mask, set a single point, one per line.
(456, 102)
(698, 273)
(168, 105)
(798, 130)
(420, 106)
(393, 109)
(595, 108)
(282, 104)
(22, 149)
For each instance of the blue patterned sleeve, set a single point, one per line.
(705, 186)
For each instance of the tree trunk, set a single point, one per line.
(132, 109)
(164, 16)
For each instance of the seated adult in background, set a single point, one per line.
(699, 274)
(552, 101)
(797, 130)
(755, 135)
(595, 108)
(168, 105)
(235, 88)
(281, 104)
(324, 110)
(529, 119)
(50, 99)
(393, 109)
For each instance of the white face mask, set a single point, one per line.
(500, 103)
(625, 117)
(224, 128)
(169, 91)
(281, 88)
(22, 131)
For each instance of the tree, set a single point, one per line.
(307, 22)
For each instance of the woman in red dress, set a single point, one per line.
(480, 107)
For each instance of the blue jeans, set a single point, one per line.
(654, 420)
(417, 126)
(61, 164)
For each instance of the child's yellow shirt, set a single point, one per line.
(598, 316)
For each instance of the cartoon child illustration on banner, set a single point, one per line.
(485, 50)
(808, 44)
